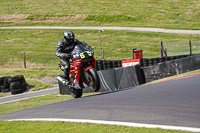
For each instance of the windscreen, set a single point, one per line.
(79, 49)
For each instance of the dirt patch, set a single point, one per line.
(13, 17)
(49, 80)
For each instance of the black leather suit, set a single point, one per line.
(62, 49)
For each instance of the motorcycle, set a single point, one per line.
(82, 71)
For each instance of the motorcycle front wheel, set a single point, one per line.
(94, 81)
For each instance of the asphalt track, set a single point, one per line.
(173, 103)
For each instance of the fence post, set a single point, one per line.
(103, 53)
(165, 52)
(190, 45)
(161, 49)
(24, 60)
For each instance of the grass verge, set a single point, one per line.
(40, 45)
(173, 14)
(60, 127)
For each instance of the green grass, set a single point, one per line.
(171, 14)
(61, 127)
(40, 45)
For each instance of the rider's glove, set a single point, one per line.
(89, 47)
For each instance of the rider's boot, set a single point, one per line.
(67, 80)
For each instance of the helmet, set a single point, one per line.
(69, 37)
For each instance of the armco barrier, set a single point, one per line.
(170, 68)
(107, 80)
(126, 77)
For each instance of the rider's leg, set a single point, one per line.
(66, 65)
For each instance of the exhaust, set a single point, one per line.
(62, 80)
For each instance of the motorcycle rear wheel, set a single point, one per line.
(94, 83)
(76, 93)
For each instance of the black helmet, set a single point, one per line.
(69, 37)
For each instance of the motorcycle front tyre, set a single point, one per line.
(96, 86)
(76, 93)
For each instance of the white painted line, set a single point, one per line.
(191, 129)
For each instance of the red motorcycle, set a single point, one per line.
(82, 71)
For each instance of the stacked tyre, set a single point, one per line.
(17, 84)
(155, 61)
(4, 85)
(99, 64)
(151, 62)
(109, 64)
(162, 59)
(145, 62)
(105, 65)
(119, 63)
(115, 64)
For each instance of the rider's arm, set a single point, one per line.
(59, 50)
(87, 46)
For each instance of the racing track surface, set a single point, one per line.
(174, 103)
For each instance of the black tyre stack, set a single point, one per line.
(119, 63)
(4, 85)
(17, 84)
(167, 58)
(115, 64)
(105, 65)
(151, 62)
(1, 83)
(99, 65)
(155, 61)
(172, 57)
(145, 62)
(109, 64)
(162, 59)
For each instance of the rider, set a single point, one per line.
(64, 49)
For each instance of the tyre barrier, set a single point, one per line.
(107, 64)
(153, 61)
(144, 62)
(179, 64)
(15, 85)
(4, 85)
